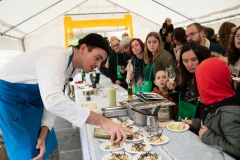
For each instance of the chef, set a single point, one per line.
(31, 96)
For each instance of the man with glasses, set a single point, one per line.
(117, 65)
(194, 32)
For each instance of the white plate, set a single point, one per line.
(129, 146)
(134, 128)
(236, 78)
(107, 156)
(103, 145)
(136, 157)
(166, 139)
(135, 140)
(176, 124)
(130, 122)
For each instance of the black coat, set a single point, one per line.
(112, 70)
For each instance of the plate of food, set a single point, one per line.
(156, 139)
(236, 78)
(123, 122)
(112, 146)
(133, 128)
(178, 126)
(117, 156)
(147, 155)
(140, 136)
(137, 147)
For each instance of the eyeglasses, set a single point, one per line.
(191, 34)
(116, 45)
(237, 35)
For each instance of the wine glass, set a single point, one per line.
(213, 152)
(171, 75)
(140, 82)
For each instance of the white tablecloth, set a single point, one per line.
(182, 146)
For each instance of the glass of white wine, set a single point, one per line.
(171, 75)
(140, 82)
(213, 152)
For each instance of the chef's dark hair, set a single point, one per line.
(94, 40)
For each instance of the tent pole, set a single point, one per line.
(133, 12)
(23, 45)
(174, 11)
(55, 18)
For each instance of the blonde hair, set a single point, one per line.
(148, 57)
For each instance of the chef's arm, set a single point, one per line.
(48, 119)
(43, 133)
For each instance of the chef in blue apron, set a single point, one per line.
(31, 96)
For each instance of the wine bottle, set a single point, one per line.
(83, 76)
(130, 91)
(103, 134)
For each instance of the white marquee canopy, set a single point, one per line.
(41, 22)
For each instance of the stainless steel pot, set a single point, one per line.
(164, 114)
(140, 118)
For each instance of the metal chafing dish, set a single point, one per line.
(164, 114)
(116, 111)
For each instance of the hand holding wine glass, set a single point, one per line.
(171, 75)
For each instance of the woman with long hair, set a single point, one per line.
(234, 58)
(192, 54)
(226, 33)
(136, 63)
(155, 58)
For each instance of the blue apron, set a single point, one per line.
(21, 110)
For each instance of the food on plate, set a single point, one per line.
(138, 135)
(123, 122)
(113, 146)
(138, 147)
(177, 126)
(90, 105)
(78, 82)
(148, 156)
(157, 138)
(119, 156)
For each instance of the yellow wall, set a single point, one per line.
(69, 25)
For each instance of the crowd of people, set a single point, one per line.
(206, 85)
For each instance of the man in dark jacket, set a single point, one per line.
(194, 32)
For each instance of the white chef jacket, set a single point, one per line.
(47, 67)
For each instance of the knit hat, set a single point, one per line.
(125, 41)
(214, 81)
(96, 40)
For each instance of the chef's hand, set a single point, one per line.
(118, 133)
(42, 149)
(171, 85)
(202, 130)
